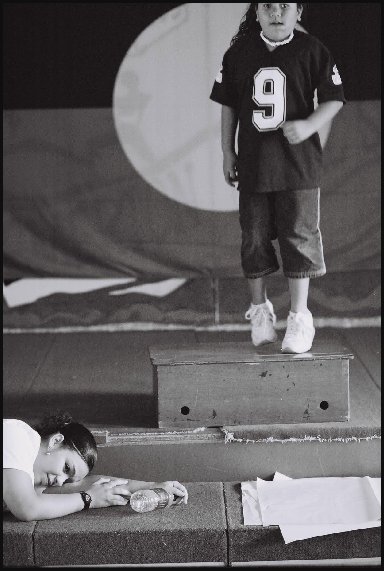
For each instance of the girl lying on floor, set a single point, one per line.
(56, 457)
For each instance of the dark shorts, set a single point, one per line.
(291, 217)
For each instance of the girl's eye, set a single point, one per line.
(67, 468)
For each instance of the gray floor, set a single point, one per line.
(106, 379)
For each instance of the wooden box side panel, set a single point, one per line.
(253, 393)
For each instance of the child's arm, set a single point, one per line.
(229, 122)
(298, 131)
(25, 503)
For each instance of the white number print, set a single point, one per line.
(269, 91)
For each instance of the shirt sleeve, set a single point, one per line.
(20, 446)
(223, 90)
(329, 82)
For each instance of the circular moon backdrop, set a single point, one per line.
(167, 126)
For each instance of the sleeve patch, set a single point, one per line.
(336, 76)
(219, 76)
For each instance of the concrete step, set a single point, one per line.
(241, 453)
(249, 543)
(209, 530)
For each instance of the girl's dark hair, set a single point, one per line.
(249, 24)
(76, 436)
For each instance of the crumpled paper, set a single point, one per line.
(310, 507)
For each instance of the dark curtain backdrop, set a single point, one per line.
(76, 206)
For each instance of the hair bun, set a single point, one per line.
(62, 418)
(54, 422)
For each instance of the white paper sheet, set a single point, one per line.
(299, 532)
(250, 501)
(347, 500)
(253, 514)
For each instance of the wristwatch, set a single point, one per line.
(86, 499)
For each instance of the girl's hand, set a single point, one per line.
(105, 492)
(175, 488)
(230, 168)
(297, 131)
(122, 490)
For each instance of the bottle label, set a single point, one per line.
(163, 497)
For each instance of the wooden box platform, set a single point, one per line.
(235, 383)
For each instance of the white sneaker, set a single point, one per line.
(263, 319)
(300, 333)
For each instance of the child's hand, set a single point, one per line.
(175, 488)
(230, 168)
(297, 131)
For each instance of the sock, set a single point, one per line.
(264, 304)
(306, 312)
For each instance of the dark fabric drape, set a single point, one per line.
(77, 208)
(75, 205)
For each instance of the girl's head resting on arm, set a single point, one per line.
(67, 452)
(276, 21)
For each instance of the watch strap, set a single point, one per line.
(86, 499)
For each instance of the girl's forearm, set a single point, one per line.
(134, 485)
(324, 113)
(49, 507)
(229, 122)
(73, 487)
(85, 483)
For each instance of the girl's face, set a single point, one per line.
(277, 20)
(59, 465)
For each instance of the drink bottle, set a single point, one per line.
(149, 500)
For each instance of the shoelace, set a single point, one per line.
(259, 316)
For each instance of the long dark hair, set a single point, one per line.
(76, 436)
(249, 24)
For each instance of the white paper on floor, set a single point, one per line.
(251, 506)
(310, 507)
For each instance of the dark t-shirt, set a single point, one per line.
(266, 89)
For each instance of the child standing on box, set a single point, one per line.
(266, 87)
